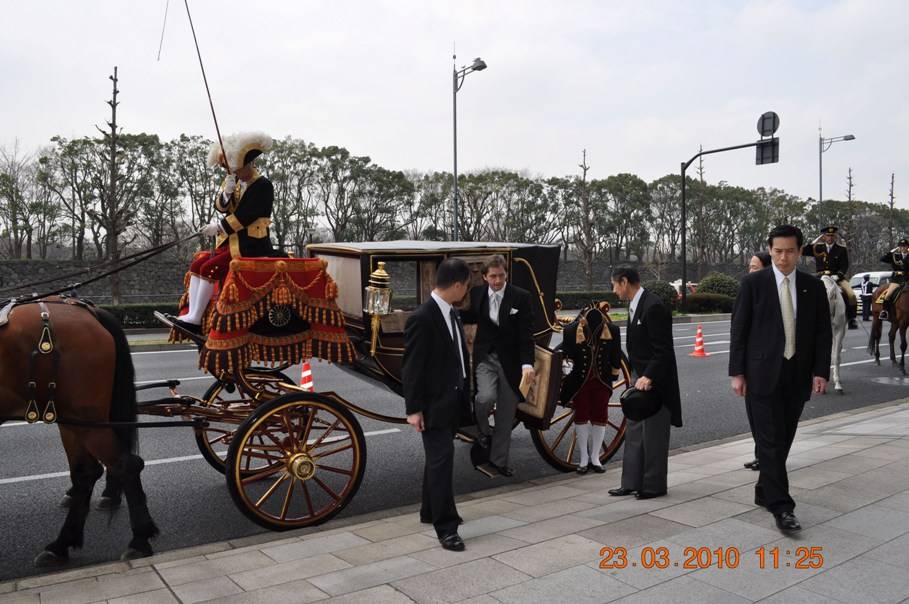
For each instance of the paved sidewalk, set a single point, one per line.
(541, 541)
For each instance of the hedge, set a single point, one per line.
(704, 303)
(139, 315)
(577, 300)
(665, 291)
(718, 283)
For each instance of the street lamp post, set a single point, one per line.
(457, 80)
(822, 145)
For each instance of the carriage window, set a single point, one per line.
(404, 283)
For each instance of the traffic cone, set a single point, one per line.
(699, 344)
(306, 378)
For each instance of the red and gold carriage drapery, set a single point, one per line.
(272, 311)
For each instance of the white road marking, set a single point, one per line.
(135, 354)
(155, 462)
(182, 379)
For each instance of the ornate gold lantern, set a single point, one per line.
(378, 302)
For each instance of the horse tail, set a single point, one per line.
(123, 406)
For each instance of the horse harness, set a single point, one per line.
(44, 347)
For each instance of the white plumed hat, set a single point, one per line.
(240, 148)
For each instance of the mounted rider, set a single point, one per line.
(245, 202)
(898, 259)
(832, 258)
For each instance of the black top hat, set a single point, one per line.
(638, 405)
(829, 230)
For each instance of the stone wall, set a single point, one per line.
(150, 281)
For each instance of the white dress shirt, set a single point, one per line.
(633, 305)
(779, 283)
(445, 307)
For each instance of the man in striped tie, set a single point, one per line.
(779, 355)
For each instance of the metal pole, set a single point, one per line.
(454, 105)
(684, 243)
(820, 176)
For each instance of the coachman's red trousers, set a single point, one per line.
(591, 403)
(212, 267)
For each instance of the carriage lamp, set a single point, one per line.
(378, 301)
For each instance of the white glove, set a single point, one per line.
(210, 230)
(230, 185)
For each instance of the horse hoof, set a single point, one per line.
(108, 503)
(132, 553)
(48, 559)
(840, 391)
(66, 502)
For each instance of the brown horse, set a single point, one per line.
(899, 321)
(77, 356)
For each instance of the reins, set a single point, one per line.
(120, 264)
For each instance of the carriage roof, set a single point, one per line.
(411, 246)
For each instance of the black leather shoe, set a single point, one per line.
(853, 324)
(597, 469)
(503, 470)
(582, 469)
(786, 521)
(753, 465)
(452, 542)
(429, 520)
(648, 494)
(621, 492)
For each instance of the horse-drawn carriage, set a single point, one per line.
(294, 458)
(291, 457)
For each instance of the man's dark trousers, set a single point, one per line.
(438, 494)
(775, 419)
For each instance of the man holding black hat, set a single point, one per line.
(245, 201)
(652, 357)
(832, 258)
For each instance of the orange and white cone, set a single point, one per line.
(306, 378)
(699, 344)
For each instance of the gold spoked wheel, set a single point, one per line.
(233, 404)
(558, 444)
(296, 461)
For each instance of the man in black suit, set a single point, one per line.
(651, 353)
(779, 354)
(434, 376)
(503, 354)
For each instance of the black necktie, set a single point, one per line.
(457, 337)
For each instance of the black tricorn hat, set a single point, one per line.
(638, 405)
(829, 230)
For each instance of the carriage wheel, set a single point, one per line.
(296, 461)
(557, 445)
(214, 440)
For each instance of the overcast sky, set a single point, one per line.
(639, 84)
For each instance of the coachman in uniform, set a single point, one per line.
(594, 347)
(898, 258)
(832, 258)
(245, 203)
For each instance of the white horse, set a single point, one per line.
(838, 325)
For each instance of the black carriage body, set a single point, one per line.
(412, 264)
